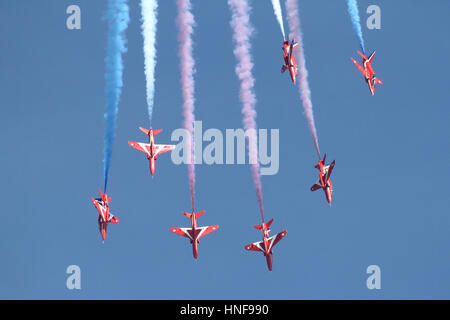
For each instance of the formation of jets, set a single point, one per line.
(194, 233)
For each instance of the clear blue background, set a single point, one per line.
(391, 179)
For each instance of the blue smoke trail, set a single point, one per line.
(118, 17)
(354, 15)
(149, 20)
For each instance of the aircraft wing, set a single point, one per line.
(162, 148)
(276, 238)
(359, 67)
(143, 147)
(182, 232)
(207, 230)
(316, 186)
(255, 246)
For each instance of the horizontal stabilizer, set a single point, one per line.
(196, 214)
(199, 214)
(188, 215)
(144, 130)
(269, 223)
(259, 227)
(155, 132)
(363, 55)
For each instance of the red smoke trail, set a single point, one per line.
(185, 22)
(303, 85)
(241, 36)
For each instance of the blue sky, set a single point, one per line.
(391, 176)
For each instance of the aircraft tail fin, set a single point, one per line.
(378, 81)
(155, 132)
(315, 187)
(330, 169)
(371, 57)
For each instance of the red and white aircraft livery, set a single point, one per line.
(367, 71)
(289, 60)
(324, 181)
(151, 149)
(102, 205)
(194, 233)
(266, 245)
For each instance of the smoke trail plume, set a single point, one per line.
(303, 85)
(149, 20)
(185, 22)
(354, 16)
(241, 35)
(118, 18)
(277, 11)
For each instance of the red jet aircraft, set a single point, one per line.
(102, 205)
(367, 71)
(194, 233)
(266, 245)
(289, 60)
(151, 149)
(324, 181)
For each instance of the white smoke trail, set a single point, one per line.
(149, 21)
(242, 30)
(277, 11)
